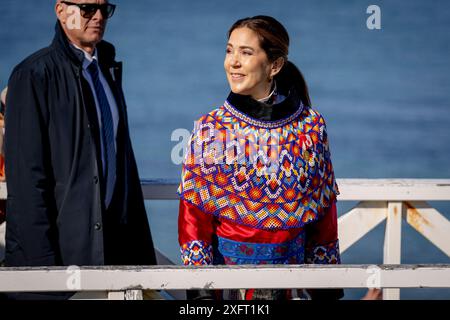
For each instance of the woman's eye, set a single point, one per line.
(247, 53)
(228, 50)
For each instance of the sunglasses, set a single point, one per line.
(88, 10)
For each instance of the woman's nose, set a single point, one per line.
(235, 61)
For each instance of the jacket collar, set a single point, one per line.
(106, 51)
(265, 112)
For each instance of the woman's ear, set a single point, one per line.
(276, 66)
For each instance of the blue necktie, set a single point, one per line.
(107, 132)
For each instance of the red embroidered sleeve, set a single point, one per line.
(322, 244)
(195, 231)
(322, 247)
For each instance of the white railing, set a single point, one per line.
(392, 200)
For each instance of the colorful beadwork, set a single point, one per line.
(196, 253)
(235, 252)
(324, 254)
(263, 174)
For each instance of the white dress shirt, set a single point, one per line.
(109, 95)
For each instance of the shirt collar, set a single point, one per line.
(88, 58)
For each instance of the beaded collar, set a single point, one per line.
(264, 115)
(261, 123)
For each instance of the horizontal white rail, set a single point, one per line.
(350, 189)
(223, 277)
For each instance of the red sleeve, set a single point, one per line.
(194, 224)
(195, 232)
(322, 245)
(323, 230)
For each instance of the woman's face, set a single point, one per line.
(246, 64)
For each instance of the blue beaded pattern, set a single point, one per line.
(235, 252)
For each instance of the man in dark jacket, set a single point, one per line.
(74, 195)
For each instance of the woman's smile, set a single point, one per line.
(237, 76)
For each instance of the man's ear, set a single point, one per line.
(276, 66)
(60, 13)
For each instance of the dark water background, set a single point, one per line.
(384, 93)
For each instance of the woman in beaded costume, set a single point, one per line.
(258, 185)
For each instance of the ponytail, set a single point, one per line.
(290, 76)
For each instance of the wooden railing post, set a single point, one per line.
(134, 295)
(125, 295)
(2, 240)
(392, 243)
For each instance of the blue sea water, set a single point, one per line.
(385, 94)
